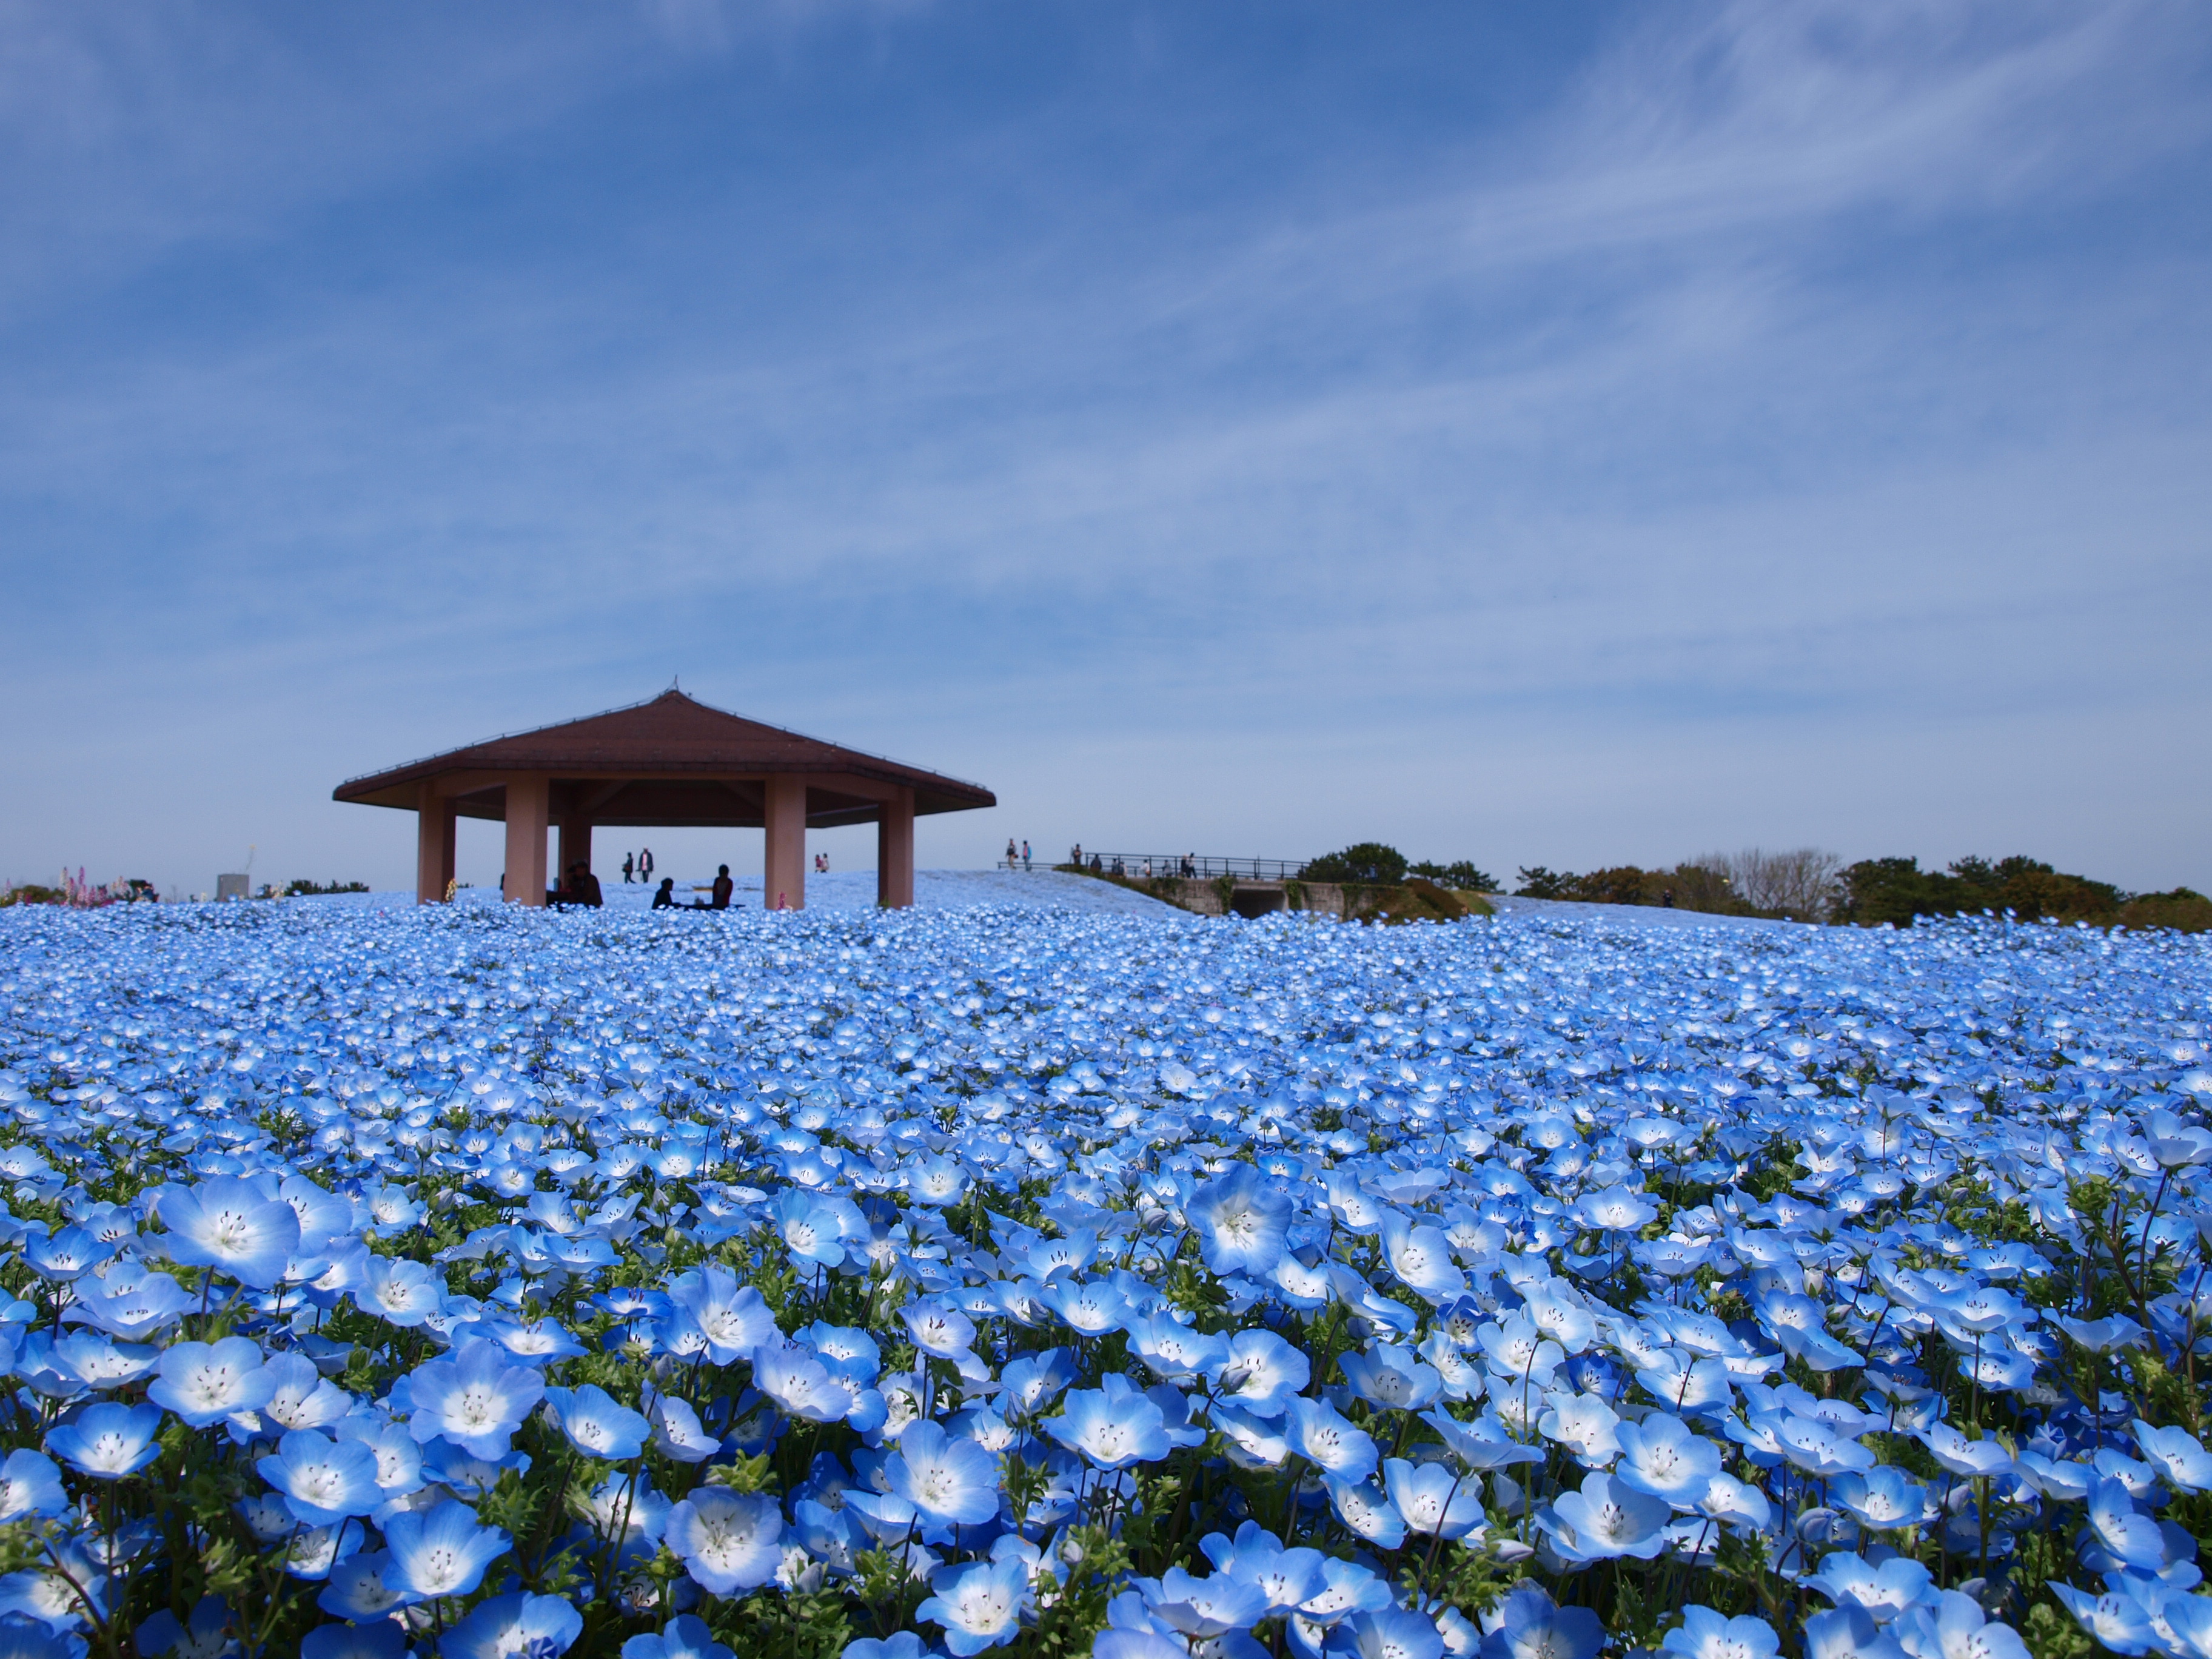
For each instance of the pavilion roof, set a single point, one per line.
(670, 738)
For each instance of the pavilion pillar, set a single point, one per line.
(895, 852)
(525, 838)
(783, 871)
(575, 844)
(433, 844)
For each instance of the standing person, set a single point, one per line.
(629, 867)
(1075, 855)
(645, 864)
(1025, 853)
(723, 887)
(1011, 855)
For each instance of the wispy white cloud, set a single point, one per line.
(1816, 378)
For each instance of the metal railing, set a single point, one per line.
(1188, 865)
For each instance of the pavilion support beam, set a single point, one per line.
(895, 852)
(783, 882)
(575, 844)
(525, 838)
(434, 845)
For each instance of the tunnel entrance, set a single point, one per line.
(1258, 901)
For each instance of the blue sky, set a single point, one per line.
(1567, 434)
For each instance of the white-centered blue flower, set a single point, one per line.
(226, 1224)
(1113, 1427)
(476, 1399)
(108, 1441)
(211, 1381)
(979, 1605)
(1433, 1497)
(440, 1553)
(515, 1626)
(1606, 1520)
(1662, 1456)
(595, 1424)
(950, 1480)
(1329, 1441)
(682, 1637)
(323, 1480)
(727, 1540)
(1241, 1219)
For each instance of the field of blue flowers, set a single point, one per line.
(506, 1285)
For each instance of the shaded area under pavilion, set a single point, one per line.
(671, 762)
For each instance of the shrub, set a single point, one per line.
(1366, 860)
(304, 889)
(1461, 873)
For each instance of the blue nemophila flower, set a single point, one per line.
(108, 1441)
(1241, 1220)
(1289, 1578)
(686, 1637)
(61, 1596)
(2116, 1620)
(1176, 1352)
(383, 1639)
(1204, 1609)
(208, 1633)
(1704, 1634)
(356, 1588)
(226, 1224)
(726, 1540)
(801, 1385)
(730, 1317)
(1329, 1441)
(1261, 1373)
(440, 1553)
(1606, 1520)
(28, 1642)
(980, 1605)
(677, 1432)
(2132, 1537)
(1385, 1633)
(595, 1424)
(951, 1482)
(323, 1480)
(2176, 1454)
(1526, 1624)
(476, 1399)
(1662, 1456)
(1392, 1377)
(1885, 1499)
(1884, 1590)
(211, 1381)
(1366, 1513)
(60, 1257)
(400, 1292)
(939, 1331)
(1432, 1498)
(1112, 1426)
(30, 1484)
(1420, 1258)
(1954, 1625)
(516, 1625)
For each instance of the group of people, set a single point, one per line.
(581, 888)
(666, 898)
(1017, 854)
(640, 867)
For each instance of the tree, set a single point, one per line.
(1367, 861)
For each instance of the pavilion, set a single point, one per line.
(670, 761)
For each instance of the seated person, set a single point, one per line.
(664, 897)
(582, 888)
(723, 888)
